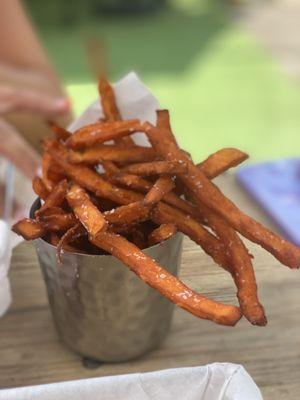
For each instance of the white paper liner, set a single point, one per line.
(134, 100)
(5, 255)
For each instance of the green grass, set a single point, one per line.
(222, 89)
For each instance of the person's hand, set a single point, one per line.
(12, 145)
(14, 99)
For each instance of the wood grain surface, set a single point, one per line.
(31, 352)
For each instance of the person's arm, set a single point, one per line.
(19, 45)
(24, 66)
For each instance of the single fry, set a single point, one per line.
(162, 233)
(46, 164)
(157, 168)
(89, 215)
(162, 186)
(60, 133)
(183, 205)
(116, 153)
(74, 233)
(164, 282)
(108, 100)
(221, 161)
(128, 215)
(205, 192)
(110, 168)
(241, 267)
(40, 188)
(29, 229)
(163, 120)
(58, 222)
(111, 111)
(51, 173)
(101, 132)
(131, 181)
(55, 198)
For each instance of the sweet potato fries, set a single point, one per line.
(143, 197)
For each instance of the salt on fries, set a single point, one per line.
(143, 197)
(116, 153)
(161, 187)
(101, 132)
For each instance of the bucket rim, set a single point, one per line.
(37, 204)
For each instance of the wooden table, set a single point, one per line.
(31, 352)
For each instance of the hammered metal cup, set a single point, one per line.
(101, 309)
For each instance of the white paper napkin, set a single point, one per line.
(134, 101)
(5, 254)
(211, 382)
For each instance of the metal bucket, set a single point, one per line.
(101, 309)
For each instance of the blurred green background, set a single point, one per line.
(221, 87)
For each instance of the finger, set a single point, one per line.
(12, 99)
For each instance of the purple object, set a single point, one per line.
(275, 186)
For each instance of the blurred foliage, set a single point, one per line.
(165, 42)
(128, 6)
(221, 87)
(57, 12)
